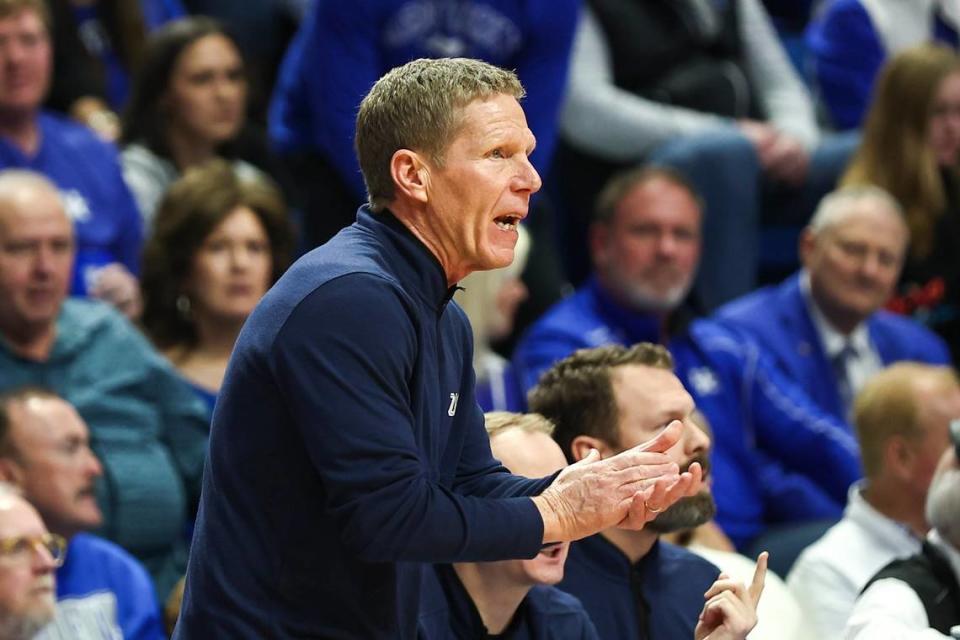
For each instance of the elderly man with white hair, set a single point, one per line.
(29, 555)
(825, 325)
(920, 597)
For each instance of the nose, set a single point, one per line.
(94, 468)
(43, 561)
(527, 177)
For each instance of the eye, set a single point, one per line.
(498, 153)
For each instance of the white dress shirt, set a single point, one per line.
(829, 575)
(891, 610)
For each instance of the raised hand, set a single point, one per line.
(731, 609)
(594, 494)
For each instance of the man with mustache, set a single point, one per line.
(825, 325)
(777, 457)
(45, 450)
(28, 557)
(633, 584)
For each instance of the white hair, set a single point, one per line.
(943, 504)
(837, 205)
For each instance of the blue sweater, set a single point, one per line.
(344, 47)
(545, 613)
(87, 172)
(102, 592)
(670, 581)
(347, 449)
(777, 457)
(779, 320)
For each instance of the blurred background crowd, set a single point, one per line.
(770, 189)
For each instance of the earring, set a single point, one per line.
(183, 306)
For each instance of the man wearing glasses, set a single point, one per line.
(28, 557)
(102, 591)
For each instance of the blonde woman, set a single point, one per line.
(490, 299)
(911, 148)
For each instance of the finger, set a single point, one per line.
(668, 437)
(725, 584)
(645, 474)
(759, 577)
(590, 458)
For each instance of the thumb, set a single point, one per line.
(591, 457)
(668, 437)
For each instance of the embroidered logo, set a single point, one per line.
(452, 410)
(704, 381)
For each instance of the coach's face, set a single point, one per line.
(480, 190)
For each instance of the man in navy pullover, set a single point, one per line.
(347, 448)
(633, 584)
(777, 456)
(513, 599)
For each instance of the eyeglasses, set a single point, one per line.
(20, 547)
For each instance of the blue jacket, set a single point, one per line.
(776, 456)
(87, 172)
(847, 49)
(146, 426)
(347, 449)
(342, 48)
(777, 317)
(545, 613)
(102, 592)
(669, 580)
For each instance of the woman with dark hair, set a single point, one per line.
(188, 104)
(218, 243)
(911, 148)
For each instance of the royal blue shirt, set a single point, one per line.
(347, 449)
(777, 457)
(344, 47)
(103, 592)
(87, 171)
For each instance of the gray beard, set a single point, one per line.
(22, 627)
(685, 514)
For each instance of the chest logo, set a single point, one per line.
(704, 381)
(452, 409)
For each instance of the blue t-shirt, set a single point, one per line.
(87, 171)
(103, 592)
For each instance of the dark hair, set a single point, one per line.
(9, 398)
(143, 119)
(617, 188)
(577, 396)
(193, 206)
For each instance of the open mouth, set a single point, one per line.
(507, 223)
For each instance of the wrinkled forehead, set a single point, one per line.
(18, 518)
(31, 209)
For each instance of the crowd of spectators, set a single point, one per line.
(163, 162)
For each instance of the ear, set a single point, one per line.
(805, 246)
(581, 445)
(411, 175)
(11, 472)
(898, 458)
(598, 236)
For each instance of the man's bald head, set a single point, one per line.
(36, 254)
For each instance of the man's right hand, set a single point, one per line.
(627, 489)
